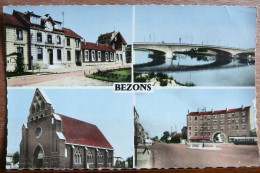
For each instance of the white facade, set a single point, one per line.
(45, 47)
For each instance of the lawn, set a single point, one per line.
(15, 74)
(112, 76)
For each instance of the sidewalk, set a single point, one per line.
(63, 77)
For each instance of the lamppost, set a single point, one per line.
(203, 110)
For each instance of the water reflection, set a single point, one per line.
(200, 70)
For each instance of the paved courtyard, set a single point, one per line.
(74, 76)
(178, 155)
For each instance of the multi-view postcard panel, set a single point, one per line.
(195, 45)
(198, 60)
(195, 128)
(68, 45)
(55, 130)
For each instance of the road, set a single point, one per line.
(177, 155)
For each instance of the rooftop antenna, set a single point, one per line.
(63, 19)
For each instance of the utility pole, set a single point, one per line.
(63, 18)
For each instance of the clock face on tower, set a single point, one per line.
(48, 26)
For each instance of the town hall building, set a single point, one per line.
(52, 140)
(46, 44)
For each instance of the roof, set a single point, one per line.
(11, 20)
(60, 135)
(93, 46)
(70, 33)
(112, 39)
(220, 111)
(178, 134)
(44, 96)
(81, 133)
(200, 137)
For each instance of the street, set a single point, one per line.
(177, 155)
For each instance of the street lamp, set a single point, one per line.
(203, 110)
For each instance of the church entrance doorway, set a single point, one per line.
(38, 157)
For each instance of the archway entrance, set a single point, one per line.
(38, 157)
(219, 137)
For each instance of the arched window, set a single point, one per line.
(77, 157)
(38, 107)
(90, 157)
(42, 106)
(109, 157)
(100, 157)
(66, 152)
(33, 109)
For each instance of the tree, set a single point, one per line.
(20, 66)
(16, 157)
(165, 136)
(175, 139)
(184, 136)
(130, 162)
(156, 138)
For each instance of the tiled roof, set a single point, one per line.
(93, 46)
(70, 33)
(112, 39)
(122, 38)
(220, 111)
(11, 20)
(82, 133)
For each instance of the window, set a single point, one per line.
(195, 123)
(39, 37)
(195, 128)
(222, 127)
(20, 50)
(86, 55)
(229, 115)
(93, 56)
(111, 56)
(77, 157)
(237, 120)
(208, 133)
(215, 127)
(68, 56)
(243, 126)
(19, 34)
(189, 133)
(42, 106)
(195, 118)
(121, 57)
(208, 117)
(38, 132)
(58, 39)
(222, 116)
(236, 127)
(189, 117)
(243, 120)
(215, 122)
(243, 114)
(244, 133)
(106, 55)
(201, 133)
(59, 54)
(77, 43)
(196, 134)
(201, 128)
(66, 152)
(117, 57)
(189, 128)
(229, 121)
(201, 117)
(49, 39)
(39, 53)
(99, 56)
(222, 121)
(109, 158)
(68, 41)
(189, 123)
(229, 127)
(90, 157)
(100, 157)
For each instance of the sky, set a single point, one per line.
(87, 21)
(111, 112)
(230, 26)
(165, 109)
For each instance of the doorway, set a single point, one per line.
(50, 52)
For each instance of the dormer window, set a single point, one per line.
(35, 20)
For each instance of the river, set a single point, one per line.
(200, 70)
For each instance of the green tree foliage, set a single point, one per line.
(175, 139)
(20, 66)
(184, 136)
(130, 162)
(156, 138)
(16, 157)
(165, 136)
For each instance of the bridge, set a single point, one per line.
(170, 48)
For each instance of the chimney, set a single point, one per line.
(212, 110)
(242, 107)
(226, 109)
(84, 42)
(188, 111)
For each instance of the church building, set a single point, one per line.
(52, 140)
